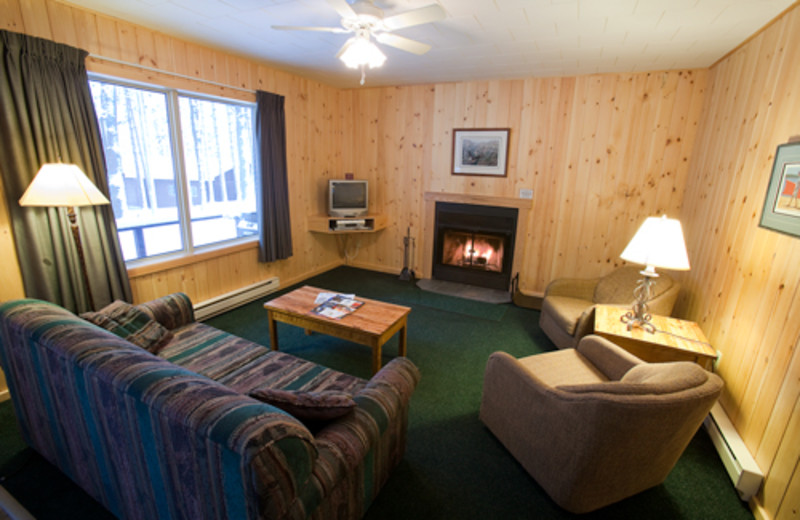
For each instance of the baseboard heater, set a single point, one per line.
(740, 465)
(228, 301)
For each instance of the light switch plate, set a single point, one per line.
(525, 194)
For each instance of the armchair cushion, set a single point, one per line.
(665, 378)
(617, 286)
(556, 368)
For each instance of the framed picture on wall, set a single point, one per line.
(480, 151)
(782, 205)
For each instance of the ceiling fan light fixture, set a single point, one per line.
(359, 51)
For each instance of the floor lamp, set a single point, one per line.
(65, 185)
(658, 243)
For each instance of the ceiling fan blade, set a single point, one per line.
(299, 28)
(404, 44)
(343, 8)
(344, 48)
(427, 14)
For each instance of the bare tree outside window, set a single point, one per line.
(165, 201)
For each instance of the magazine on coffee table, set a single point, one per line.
(336, 306)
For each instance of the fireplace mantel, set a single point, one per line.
(505, 202)
(432, 197)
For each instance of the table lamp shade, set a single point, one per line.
(59, 184)
(658, 243)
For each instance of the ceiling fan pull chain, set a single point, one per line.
(363, 74)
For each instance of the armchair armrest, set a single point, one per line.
(610, 359)
(172, 311)
(585, 324)
(572, 287)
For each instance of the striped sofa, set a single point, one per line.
(176, 435)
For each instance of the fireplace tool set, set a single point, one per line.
(408, 243)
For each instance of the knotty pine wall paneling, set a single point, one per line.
(744, 285)
(601, 153)
(314, 132)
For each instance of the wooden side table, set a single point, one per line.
(674, 339)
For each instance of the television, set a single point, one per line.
(347, 198)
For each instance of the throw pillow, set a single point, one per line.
(131, 324)
(307, 406)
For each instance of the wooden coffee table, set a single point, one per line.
(674, 339)
(372, 324)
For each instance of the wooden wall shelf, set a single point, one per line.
(327, 225)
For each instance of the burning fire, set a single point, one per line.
(476, 251)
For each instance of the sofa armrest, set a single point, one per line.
(572, 287)
(610, 359)
(172, 311)
(382, 399)
(345, 444)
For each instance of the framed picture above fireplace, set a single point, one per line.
(480, 151)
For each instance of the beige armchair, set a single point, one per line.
(594, 425)
(568, 307)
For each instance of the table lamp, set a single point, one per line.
(65, 185)
(658, 243)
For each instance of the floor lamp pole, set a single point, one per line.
(76, 235)
(59, 185)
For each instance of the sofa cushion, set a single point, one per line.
(245, 366)
(565, 311)
(307, 406)
(131, 324)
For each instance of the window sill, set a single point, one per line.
(170, 263)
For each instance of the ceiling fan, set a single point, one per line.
(366, 20)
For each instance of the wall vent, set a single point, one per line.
(740, 465)
(228, 301)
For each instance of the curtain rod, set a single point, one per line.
(169, 73)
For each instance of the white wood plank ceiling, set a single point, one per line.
(478, 39)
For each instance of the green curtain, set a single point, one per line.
(47, 116)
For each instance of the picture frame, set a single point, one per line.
(480, 151)
(782, 204)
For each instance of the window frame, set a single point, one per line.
(172, 97)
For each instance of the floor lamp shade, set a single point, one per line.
(59, 184)
(65, 185)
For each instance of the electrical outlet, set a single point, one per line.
(525, 194)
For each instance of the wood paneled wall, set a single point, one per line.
(744, 286)
(600, 153)
(313, 120)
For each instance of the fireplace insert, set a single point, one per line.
(474, 244)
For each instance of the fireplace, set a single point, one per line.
(474, 244)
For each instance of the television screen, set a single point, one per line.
(347, 198)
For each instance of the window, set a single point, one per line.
(180, 167)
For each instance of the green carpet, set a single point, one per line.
(454, 468)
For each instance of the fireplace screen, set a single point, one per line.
(473, 250)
